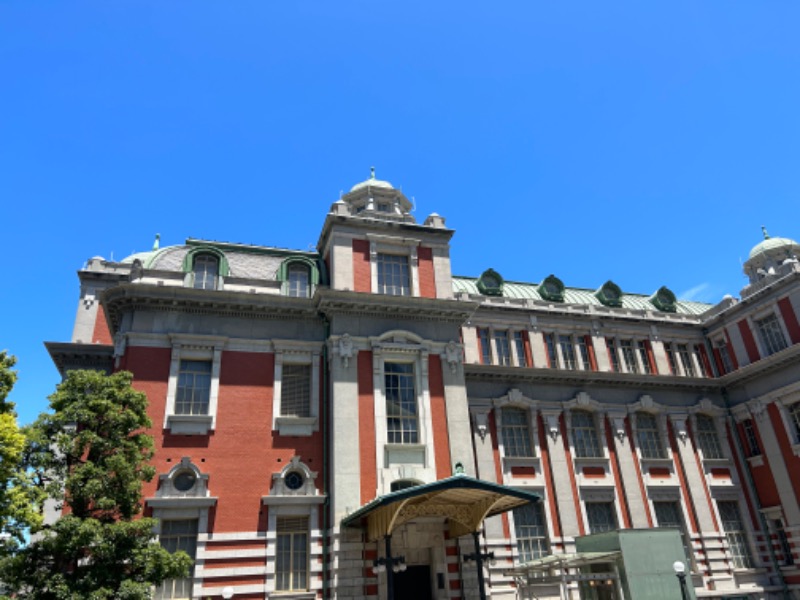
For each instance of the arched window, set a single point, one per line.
(205, 269)
(298, 280)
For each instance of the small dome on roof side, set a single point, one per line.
(775, 244)
(372, 182)
(767, 256)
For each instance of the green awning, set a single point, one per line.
(464, 501)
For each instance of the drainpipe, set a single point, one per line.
(326, 480)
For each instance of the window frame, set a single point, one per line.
(193, 348)
(771, 334)
(612, 512)
(738, 538)
(707, 437)
(292, 534)
(650, 440)
(536, 541)
(384, 260)
(591, 429)
(516, 431)
(404, 378)
(291, 352)
(160, 592)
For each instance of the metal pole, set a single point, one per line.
(682, 579)
(389, 569)
(479, 562)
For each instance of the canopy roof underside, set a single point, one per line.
(464, 501)
(563, 561)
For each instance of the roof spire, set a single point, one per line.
(372, 172)
(764, 230)
(155, 244)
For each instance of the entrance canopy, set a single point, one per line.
(464, 501)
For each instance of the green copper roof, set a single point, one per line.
(529, 291)
(773, 243)
(372, 182)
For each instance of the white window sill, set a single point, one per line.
(756, 461)
(296, 426)
(189, 424)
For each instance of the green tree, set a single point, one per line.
(18, 495)
(92, 453)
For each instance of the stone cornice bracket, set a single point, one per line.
(551, 422)
(618, 423)
(453, 355)
(481, 418)
(679, 426)
(346, 349)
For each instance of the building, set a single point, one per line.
(300, 399)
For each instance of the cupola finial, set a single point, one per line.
(155, 243)
(372, 172)
(764, 231)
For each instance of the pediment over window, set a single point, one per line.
(295, 479)
(184, 480)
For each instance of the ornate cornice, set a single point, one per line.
(127, 297)
(337, 302)
(68, 356)
(491, 373)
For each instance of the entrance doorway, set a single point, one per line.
(414, 582)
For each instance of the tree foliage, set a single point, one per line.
(18, 495)
(92, 453)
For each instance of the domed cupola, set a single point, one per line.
(378, 199)
(767, 256)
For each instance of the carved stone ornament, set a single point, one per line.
(346, 349)
(515, 396)
(452, 354)
(757, 409)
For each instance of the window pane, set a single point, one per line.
(628, 356)
(291, 553)
(668, 514)
(205, 269)
(174, 536)
(298, 281)
(649, 437)
(686, 360)
(194, 387)
(516, 432)
(296, 391)
(794, 415)
(519, 344)
(735, 534)
(393, 276)
(531, 532)
(612, 355)
(401, 403)
(486, 346)
(584, 435)
(549, 340)
(769, 330)
(601, 516)
(753, 448)
(503, 349)
(707, 438)
(644, 356)
(567, 352)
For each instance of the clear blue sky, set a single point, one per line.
(640, 142)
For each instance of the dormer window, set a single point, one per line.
(206, 272)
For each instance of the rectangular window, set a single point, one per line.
(298, 281)
(402, 422)
(783, 542)
(673, 366)
(707, 438)
(531, 532)
(628, 356)
(769, 330)
(794, 417)
(503, 348)
(205, 270)
(601, 516)
(668, 514)
(612, 354)
(724, 357)
(393, 275)
(516, 432)
(644, 356)
(686, 360)
(550, 344)
(519, 346)
(753, 449)
(296, 391)
(194, 387)
(568, 352)
(291, 554)
(174, 536)
(649, 437)
(584, 435)
(583, 350)
(486, 346)
(735, 533)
